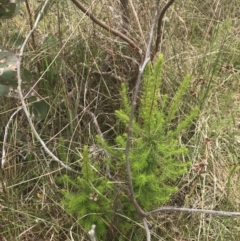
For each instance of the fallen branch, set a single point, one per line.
(193, 210)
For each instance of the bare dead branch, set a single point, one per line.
(192, 210)
(106, 27)
(142, 66)
(22, 98)
(159, 25)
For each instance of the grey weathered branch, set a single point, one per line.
(193, 210)
(55, 158)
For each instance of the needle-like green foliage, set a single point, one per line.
(155, 153)
(86, 196)
(155, 157)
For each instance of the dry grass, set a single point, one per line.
(201, 38)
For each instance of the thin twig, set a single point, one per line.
(106, 27)
(148, 234)
(110, 74)
(3, 162)
(159, 25)
(72, 239)
(5, 136)
(193, 210)
(63, 74)
(138, 22)
(98, 130)
(30, 22)
(139, 210)
(22, 98)
(125, 16)
(31, 26)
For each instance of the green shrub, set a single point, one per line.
(155, 157)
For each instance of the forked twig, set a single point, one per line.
(24, 107)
